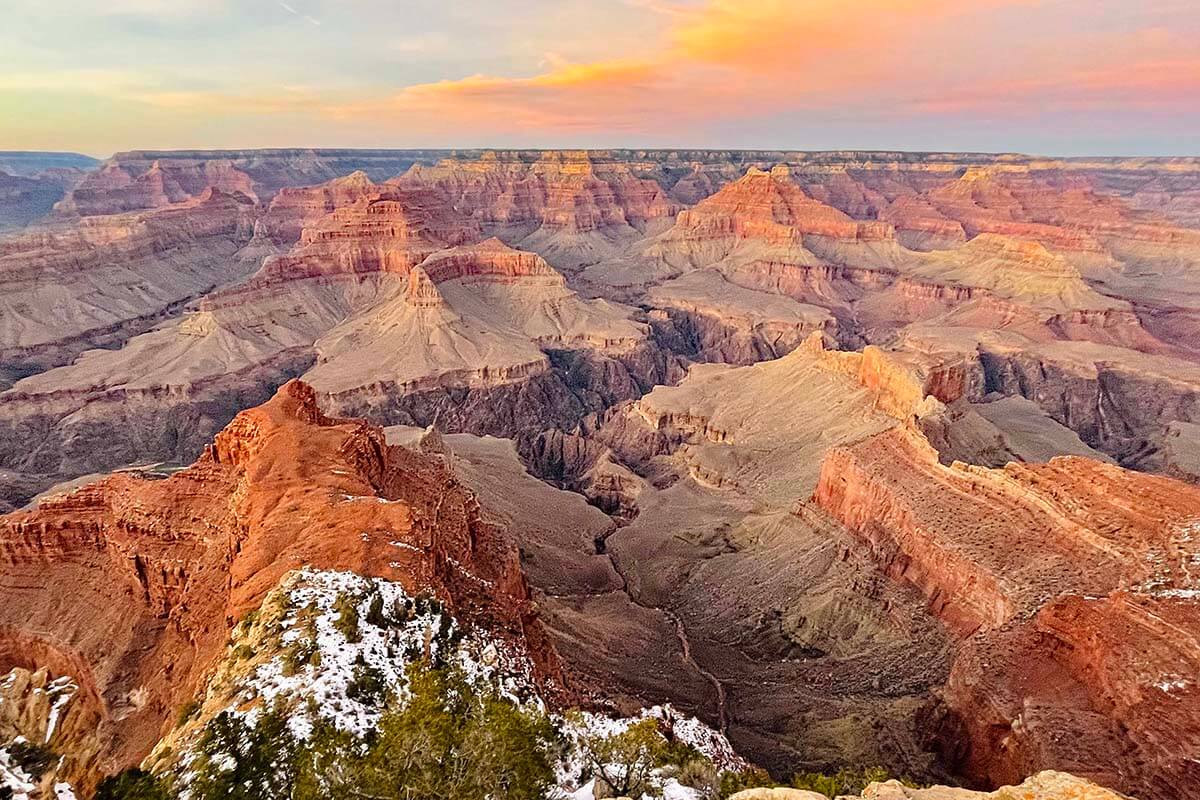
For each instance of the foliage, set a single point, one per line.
(323, 766)
(33, 758)
(448, 741)
(451, 742)
(187, 711)
(844, 781)
(347, 620)
(375, 614)
(368, 685)
(132, 784)
(237, 761)
(625, 761)
(701, 774)
(752, 778)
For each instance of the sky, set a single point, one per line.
(1055, 77)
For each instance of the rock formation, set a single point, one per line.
(347, 308)
(131, 586)
(898, 496)
(112, 276)
(151, 179)
(573, 208)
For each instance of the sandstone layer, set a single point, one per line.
(131, 586)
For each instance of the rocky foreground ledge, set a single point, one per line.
(1048, 785)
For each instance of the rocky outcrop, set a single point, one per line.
(705, 316)
(388, 306)
(385, 230)
(766, 208)
(112, 277)
(294, 208)
(1071, 584)
(150, 179)
(54, 713)
(571, 207)
(27, 198)
(1045, 785)
(131, 586)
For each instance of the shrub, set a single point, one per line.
(701, 774)
(625, 760)
(238, 762)
(734, 782)
(187, 711)
(375, 612)
(33, 758)
(368, 685)
(132, 784)
(347, 620)
(453, 742)
(302, 652)
(844, 781)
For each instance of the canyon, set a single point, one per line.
(890, 458)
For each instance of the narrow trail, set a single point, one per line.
(722, 705)
(685, 645)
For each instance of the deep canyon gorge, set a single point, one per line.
(858, 458)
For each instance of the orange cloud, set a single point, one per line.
(608, 95)
(734, 59)
(767, 34)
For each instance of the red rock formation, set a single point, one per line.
(131, 585)
(294, 209)
(772, 207)
(113, 276)
(148, 179)
(114, 189)
(490, 260)
(1071, 584)
(560, 190)
(391, 230)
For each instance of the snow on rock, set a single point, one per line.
(330, 661)
(319, 632)
(572, 772)
(40, 699)
(14, 778)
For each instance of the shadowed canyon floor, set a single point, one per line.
(859, 457)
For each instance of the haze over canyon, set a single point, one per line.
(818, 461)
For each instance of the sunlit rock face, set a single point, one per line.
(142, 179)
(132, 585)
(864, 441)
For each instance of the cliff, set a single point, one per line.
(131, 586)
(1070, 584)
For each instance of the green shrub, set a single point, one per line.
(375, 614)
(701, 774)
(451, 741)
(752, 778)
(347, 620)
(236, 761)
(132, 784)
(33, 758)
(625, 761)
(300, 653)
(844, 781)
(187, 711)
(368, 685)
(678, 753)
